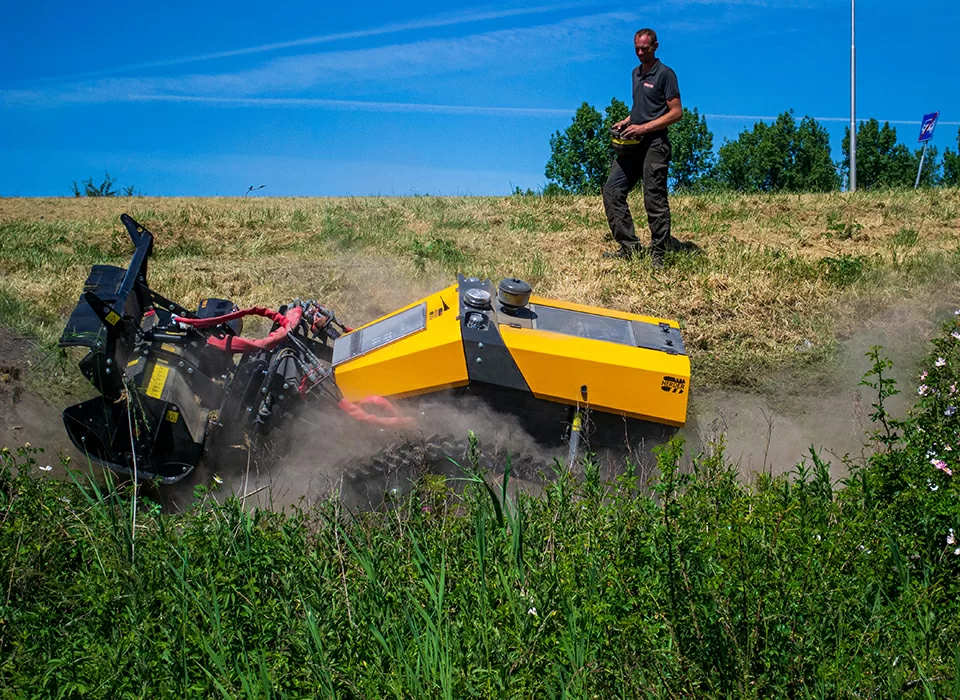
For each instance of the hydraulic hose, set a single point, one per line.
(235, 344)
(394, 420)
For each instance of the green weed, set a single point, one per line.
(841, 227)
(905, 238)
(442, 251)
(844, 270)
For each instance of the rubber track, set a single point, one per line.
(402, 463)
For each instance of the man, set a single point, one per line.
(656, 105)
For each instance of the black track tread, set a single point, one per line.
(433, 454)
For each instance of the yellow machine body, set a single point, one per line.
(636, 382)
(560, 352)
(423, 362)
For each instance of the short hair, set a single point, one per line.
(649, 32)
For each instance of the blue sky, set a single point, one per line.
(327, 98)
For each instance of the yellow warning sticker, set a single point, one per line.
(157, 380)
(172, 416)
(168, 347)
(112, 318)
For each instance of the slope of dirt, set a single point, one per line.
(24, 416)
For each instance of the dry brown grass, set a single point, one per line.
(776, 270)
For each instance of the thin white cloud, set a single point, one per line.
(503, 53)
(468, 17)
(433, 108)
(359, 105)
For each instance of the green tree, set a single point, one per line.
(693, 162)
(951, 165)
(580, 157)
(813, 168)
(782, 156)
(882, 162)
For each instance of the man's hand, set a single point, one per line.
(621, 124)
(673, 115)
(634, 131)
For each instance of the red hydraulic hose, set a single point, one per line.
(235, 344)
(394, 420)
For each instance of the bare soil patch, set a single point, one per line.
(24, 416)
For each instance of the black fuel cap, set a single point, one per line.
(513, 292)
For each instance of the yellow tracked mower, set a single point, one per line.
(168, 377)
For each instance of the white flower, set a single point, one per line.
(532, 611)
(951, 538)
(957, 551)
(941, 361)
(950, 410)
(47, 468)
(956, 335)
(923, 390)
(933, 486)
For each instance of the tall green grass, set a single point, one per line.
(695, 584)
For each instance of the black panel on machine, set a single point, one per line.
(488, 358)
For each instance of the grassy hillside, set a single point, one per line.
(778, 278)
(693, 583)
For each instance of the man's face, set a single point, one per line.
(645, 47)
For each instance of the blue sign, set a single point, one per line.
(926, 126)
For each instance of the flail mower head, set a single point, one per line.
(167, 376)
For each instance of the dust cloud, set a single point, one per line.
(773, 428)
(322, 451)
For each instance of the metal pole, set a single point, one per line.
(923, 154)
(575, 426)
(853, 96)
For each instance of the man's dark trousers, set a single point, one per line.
(649, 162)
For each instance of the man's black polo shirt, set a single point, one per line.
(651, 92)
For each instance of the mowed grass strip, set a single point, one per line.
(777, 278)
